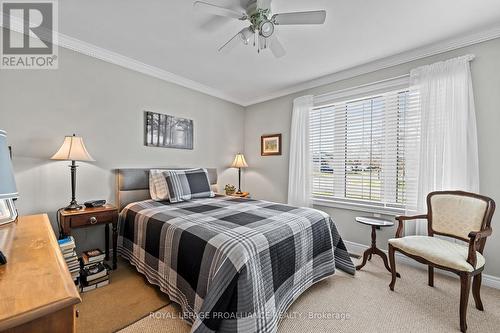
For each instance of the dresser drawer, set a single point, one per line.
(91, 219)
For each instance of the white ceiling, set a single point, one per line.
(172, 36)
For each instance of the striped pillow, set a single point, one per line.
(188, 184)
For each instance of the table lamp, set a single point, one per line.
(239, 162)
(73, 149)
(8, 189)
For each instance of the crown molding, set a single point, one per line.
(135, 65)
(397, 59)
(100, 53)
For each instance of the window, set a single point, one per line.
(358, 150)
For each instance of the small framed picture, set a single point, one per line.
(270, 145)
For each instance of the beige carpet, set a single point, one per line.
(365, 304)
(125, 300)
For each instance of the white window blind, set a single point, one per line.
(358, 149)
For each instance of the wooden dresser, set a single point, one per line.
(37, 293)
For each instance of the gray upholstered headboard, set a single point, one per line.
(133, 184)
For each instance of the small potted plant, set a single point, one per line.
(229, 189)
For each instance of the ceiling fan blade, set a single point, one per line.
(242, 37)
(314, 17)
(264, 4)
(276, 47)
(220, 11)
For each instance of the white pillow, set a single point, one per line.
(158, 188)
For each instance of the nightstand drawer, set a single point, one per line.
(91, 219)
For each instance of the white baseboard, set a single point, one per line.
(356, 248)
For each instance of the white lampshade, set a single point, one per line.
(8, 188)
(72, 149)
(239, 161)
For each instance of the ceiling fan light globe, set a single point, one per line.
(266, 29)
(246, 35)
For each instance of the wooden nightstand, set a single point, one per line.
(87, 217)
(241, 195)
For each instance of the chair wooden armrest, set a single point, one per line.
(402, 219)
(475, 237)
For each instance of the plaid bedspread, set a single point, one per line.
(233, 264)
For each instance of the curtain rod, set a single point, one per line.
(469, 57)
(363, 85)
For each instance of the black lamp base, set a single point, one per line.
(73, 206)
(239, 182)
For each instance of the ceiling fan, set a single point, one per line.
(262, 24)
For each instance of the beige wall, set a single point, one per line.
(267, 177)
(103, 103)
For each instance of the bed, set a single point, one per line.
(232, 264)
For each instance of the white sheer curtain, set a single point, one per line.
(447, 152)
(299, 176)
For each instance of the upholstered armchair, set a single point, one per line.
(460, 215)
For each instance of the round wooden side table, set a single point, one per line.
(375, 223)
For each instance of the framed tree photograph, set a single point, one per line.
(162, 130)
(270, 145)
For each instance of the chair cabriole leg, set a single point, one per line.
(464, 299)
(431, 275)
(476, 291)
(393, 267)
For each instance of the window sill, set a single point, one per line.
(358, 206)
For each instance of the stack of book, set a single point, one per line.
(68, 246)
(94, 272)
